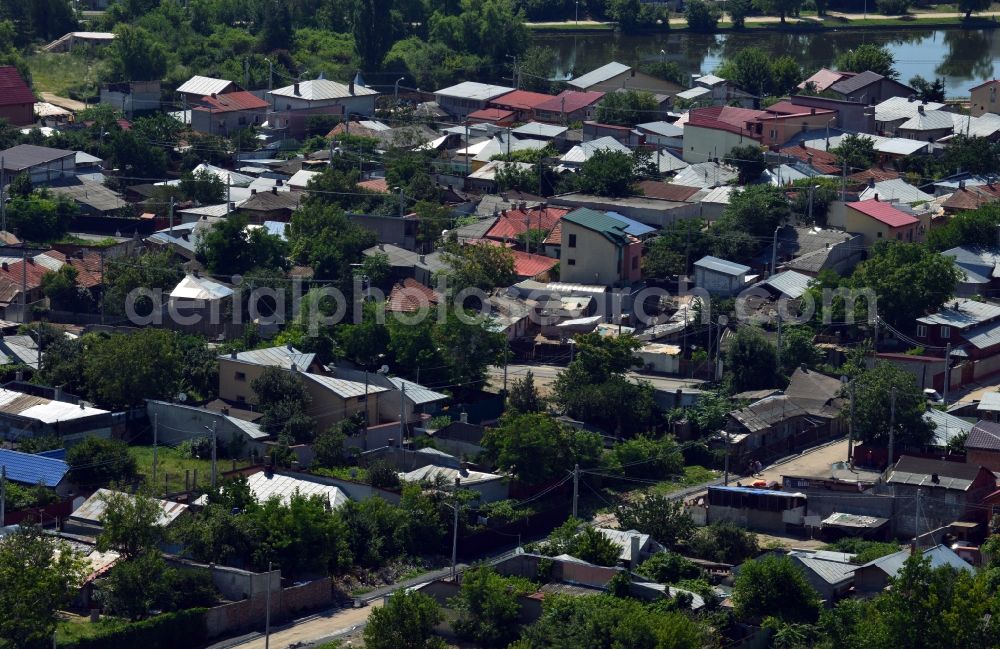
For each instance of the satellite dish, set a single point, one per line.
(182, 397)
(384, 369)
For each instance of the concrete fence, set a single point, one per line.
(286, 603)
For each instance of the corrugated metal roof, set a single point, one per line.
(704, 174)
(901, 108)
(921, 471)
(281, 356)
(661, 128)
(984, 435)
(447, 475)
(832, 572)
(759, 492)
(990, 402)
(204, 86)
(946, 426)
(283, 487)
(709, 262)
(586, 150)
(939, 556)
(603, 73)
(984, 336)
(962, 314)
(417, 393)
(342, 387)
(92, 509)
(896, 189)
(623, 539)
(26, 468)
(633, 227)
(200, 288)
(790, 283)
(539, 129)
(24, 156)
(474, 90)
(884, 213)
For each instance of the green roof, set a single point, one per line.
(599, 222)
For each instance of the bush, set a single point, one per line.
(167, 631)
(702, 16)
(893, 7)
(723, 542)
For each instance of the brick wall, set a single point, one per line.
(286, 603)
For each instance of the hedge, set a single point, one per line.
(166, 631)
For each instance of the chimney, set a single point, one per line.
(961, 184)
(296, 88)
(232, 354)
(279, 183)
(31, 260)
(634, 541)
(294, 368)
(57, 393)
(232, 206)
(19, 376)
(381, 246)
(812, 111)
(871, 182)
(5, 266)
(920, 109)
(253, 192)
(225, 410)
(274, 190)
(215, 96)
(464, 417)
(935, 479)
(910, 98)
(876, 197)
(423, 258)
(350, 87)
(289, 347)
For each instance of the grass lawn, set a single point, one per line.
(172, 464)
(71, 628)
(63, 74)
(693, 475)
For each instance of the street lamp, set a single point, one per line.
(395, 90)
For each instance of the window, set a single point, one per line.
(572, 241)
(241, 398)
(241, 376)
(899, 236)
(774, 134)
(571, 262)
(921, 331)
(635, 263)
(361, 399)
(879, 234)
(946, 332)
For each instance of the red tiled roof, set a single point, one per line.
(570, 101)
(380, 185)
(13, 89)
(555, 234)
(725, 118)
(511, 223)
(520, 100)
(822, 161)
(233, 101)
(410, 296)
(667, 191)
(884, 212)
(491, 115)
(353, 128)
(876, 174)
(788, 109)
(824, 79)
(530, 265)
(971, 198)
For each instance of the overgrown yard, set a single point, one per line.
(173, 464)
(66, 75)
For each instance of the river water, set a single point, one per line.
(961, 57)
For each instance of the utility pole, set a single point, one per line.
(506, 349)
(725, 479)
(467, 160)
(102, 293)
(850, 430)
(170, 215)
(3, 198)
(947, 373)
(576, 487)
(402, 409)
(778, 349)
(24, 284)
(3, 494)
(892, 424)
(774, 251)
(454, 534)
(155, 435)
(215, 435)
(267, 610)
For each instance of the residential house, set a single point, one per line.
(614, 76)
(554, 133)
(580, 153)
(809, 250)
(42, 164)
(662, 134)
(26, 414)
(513, 225)
(492, 115)
(705, 175)
(946, 492)
(199, 297)
(712, 90)
(568, 106)
(234, 427)
(520, 102)
(822, 79)
(31, 470)
(967, 198)
(625, 135)
(710, 133)
(265, 485)
(762, 510)
(870, 88)
(333, 399)
(980, 268)
(459, 438)
(197, 87)
(293, 106)
(876, 220)
(132, 96)
(410, 296)
(406, 263)
(983, 98)
(947, 429)
(484, 179)
(966, 324)
(720, 277)
(982, 446)
(831, 574)
(788, 284)
(17, 102)
(417, 399)
(893, 111)
(21, 277)
(92, 198)
(88, 518)
(852, 116)
(876, 575)
(490, 487)
(273, 205)
(469, 96)
(596, 249)
(894, 190)
(633, 547)
(228, 113)
(238, 370)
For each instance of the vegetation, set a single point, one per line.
(537, 448)
(773, 586)
(868, 56)
(488, 607)
(406, 621)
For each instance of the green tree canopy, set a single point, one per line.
(283, 398)
(759, 73)
(748, 160)
(129, 525)
(481, 266)
(608, 173)
(488, 607)
(663, 518)
(873, 403)
(702, 16)
(856, 151)
(536, 448)
(868, 56)
(230, 248)
(406, 621)
(136, 55)
(97, 462)
(751, 362)
(782, 8)
(774, 586)
(627, 108)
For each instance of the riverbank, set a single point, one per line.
(830, 22)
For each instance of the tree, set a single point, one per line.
(668, 568)
(678, 245)
(95, 462)
(723, 542)
(302, 536)
(909, 280)
(774, 586)
(40, 576)
(751, 361)
(759, 72)
(749, 162)
(702, 16)
(666, 70)
(123, 370)
(21, 186)
(976, 228)
(329, 446)
(626, 13)
(798, 349)
(321, 236)
(40, 217)
(781, 7)
(204, 187)
(488, 608)
(872, 403)
(481, 266)
(663, 518)
(537, 67)
(969, 6)
(856, 151)
(535, 447)
(524, 395)
(372, 39)
(276, 30)
(136, 55)
(406, 621)
(130, 524)
(738, 11)
(152, 270)
(607, 173)
(868, 56)
(647, 457)
(230, 248)
(62, 290)
(593, 546)
(626, 108)
(283, 399)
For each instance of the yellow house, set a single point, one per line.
(983, 98)
(239, 369)
(877, 220)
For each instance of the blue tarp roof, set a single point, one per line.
(33, 469)
(753, 490)
(635, 228)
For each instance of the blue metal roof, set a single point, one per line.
(762, 492)
(635, 228)
(56, 453)
(33, 469)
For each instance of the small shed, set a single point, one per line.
(720, 277)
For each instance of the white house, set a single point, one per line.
(720, 277)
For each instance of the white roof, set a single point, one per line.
(302, 177)
(990, 402)
(343, 387)
(895, 189)
(603, 73)
(322, 89)
(693, 93)
(669, 163)
(431, 473)
(93, 508)
(83, 158)
(893, 145)
(623, 539)
(283, 487)
(50, 413)
(539, 129)
(203, 86)
(665, 129)
(226, 176)
(278, 356)
(45, 109)
(720, 195)
(709, 80)
(584, 151)
(503, 143)
(897, 108)
(704, 174)
(489, 170)
(200, 288)
(474, 90)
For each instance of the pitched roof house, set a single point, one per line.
(982, 446)
(877, 220)
(614, 76)
(17, 102)
(597, 249)
(568, 106)
(966, 324)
